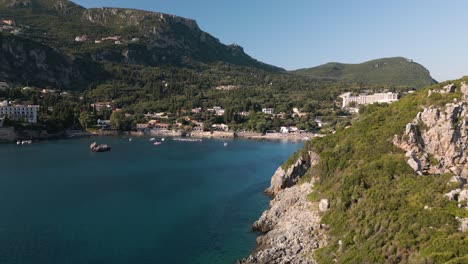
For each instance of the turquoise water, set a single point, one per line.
(180, 202)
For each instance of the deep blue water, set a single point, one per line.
(180, 202)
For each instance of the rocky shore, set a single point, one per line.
(291, 227)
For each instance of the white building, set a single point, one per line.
(220, 127)
(284, 129)
(27, 113)
(365, 99)
(268, 111)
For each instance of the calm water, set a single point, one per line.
(179, 202)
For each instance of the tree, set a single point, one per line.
(85, 119)
(117, 120)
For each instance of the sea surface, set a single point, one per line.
(179, 202)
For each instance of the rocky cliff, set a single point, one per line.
(291, 227)
(436, 142)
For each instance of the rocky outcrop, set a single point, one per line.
(286, 178)
(436, 142)
(292, 229)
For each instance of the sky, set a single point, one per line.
(305, 33)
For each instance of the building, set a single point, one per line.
(268, 111)
(284, 129)
(220, 127)
(196, 110)
(364, 99)
(103, 124)
(26, 113)
(161, 127)
(83, 38)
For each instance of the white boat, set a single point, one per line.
(157, 143)
(130, 139)
(225, 144)
(162, 139)
(18, 142)
(152, 139)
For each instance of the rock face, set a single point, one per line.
(291, 226)
(286, 178)
(292, 229)
(436, 141)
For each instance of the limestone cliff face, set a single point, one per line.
(286, 178)
(436, 141)
(291, 227)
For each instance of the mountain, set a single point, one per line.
(390, 188)
(396, 71)
(115, 36)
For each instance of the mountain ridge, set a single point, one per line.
(383, 71)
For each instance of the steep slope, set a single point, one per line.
(396, 71)
(375, 205)
(25, 61)
(162, 39)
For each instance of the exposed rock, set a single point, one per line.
(292, 229)
(436, 142)
(324, 205)
(286, 178)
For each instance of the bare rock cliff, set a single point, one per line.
(436, 142)
(291, 227)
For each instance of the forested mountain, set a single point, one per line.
(396, 71)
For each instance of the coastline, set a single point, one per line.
(291, 227)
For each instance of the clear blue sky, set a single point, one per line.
(304, 33)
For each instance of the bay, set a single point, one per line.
(179, 202)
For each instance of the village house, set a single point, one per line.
(196, 110)
(319, 121)
(244, 113)
(26, 113)
(103, 124)
(284, 129)
(268, 111)
(220, 127)
(197, 129)
(364, 99)
(298, 113)
(8, 22)
(100, 106)
(83, 38)
(153, 122)
(161, 127)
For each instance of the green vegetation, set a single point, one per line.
(391, 72)
(377, 202)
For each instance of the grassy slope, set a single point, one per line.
(377, 202)
(388, 71)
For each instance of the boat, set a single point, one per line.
(162, 139)
(225, 144)
(130, 139)
(18, 142)
(152, 139)
(157, 143)
(26, 142)
(94, 147)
